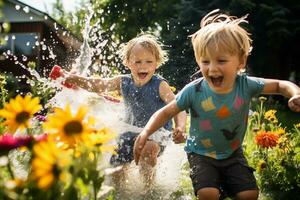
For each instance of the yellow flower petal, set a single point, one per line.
(46, 181)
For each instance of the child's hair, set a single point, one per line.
(150, 43)
(221, 32)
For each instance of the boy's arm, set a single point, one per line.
(93, 84)
(167, 96)
(285, 88)
(179, 131)
(158, 119)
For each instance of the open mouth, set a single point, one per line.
(142, 75)
(217, 81)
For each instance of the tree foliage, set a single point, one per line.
(275, 32)
(274, 26)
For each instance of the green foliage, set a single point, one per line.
(72, 21)
(272, 24)
(186, 188)
(102, 37)
(42, 90)
(3, 91)
(277, 167)
(185, 21)
(131, 17)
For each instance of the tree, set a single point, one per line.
(274, 26)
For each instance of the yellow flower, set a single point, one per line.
(19, 111)
(100, 138)
(261, 165)
(48, 164)
(297, 125)
(173, 88)
(270, 115)
(70, 128)
(280, 131)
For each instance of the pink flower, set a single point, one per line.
(41, 137)
(9, 142)
(40, 118)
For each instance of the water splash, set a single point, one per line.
(83, 62)
(110, 114)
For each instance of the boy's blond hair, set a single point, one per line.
(221, 32)
(150, 43)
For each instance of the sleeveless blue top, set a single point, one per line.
(142, 102)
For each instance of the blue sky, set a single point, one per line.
(44, 5)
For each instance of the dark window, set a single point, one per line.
(20, 43)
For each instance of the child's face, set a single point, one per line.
(220, 70)
(142, 64)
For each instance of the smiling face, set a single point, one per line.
(220, 70)
(142, 64)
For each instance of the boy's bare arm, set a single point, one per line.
(285, 88)
(180, 119)
(158, 119)
(179, 131)
(93, 84)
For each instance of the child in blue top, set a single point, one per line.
(219, 106)
(144, 93)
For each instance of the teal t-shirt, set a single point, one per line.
(218, 121)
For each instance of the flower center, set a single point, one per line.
(22, 117)
(73, 127)
(55, 171)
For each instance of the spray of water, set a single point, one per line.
(109, 114)
(84, 60)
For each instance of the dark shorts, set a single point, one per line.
(125, 149)
(230, 176)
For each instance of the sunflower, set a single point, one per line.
(101, 138)
(270, 116)
(19, 111)
(68, 127)
(280, 131)
(261, 165)
(267, 139)
(48, 164)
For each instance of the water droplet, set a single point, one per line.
(26, 9)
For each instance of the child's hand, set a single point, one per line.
(178, 135)
(138, 146)
(294, 103)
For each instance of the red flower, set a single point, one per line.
(266, 139)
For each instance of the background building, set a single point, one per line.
(33, 36)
